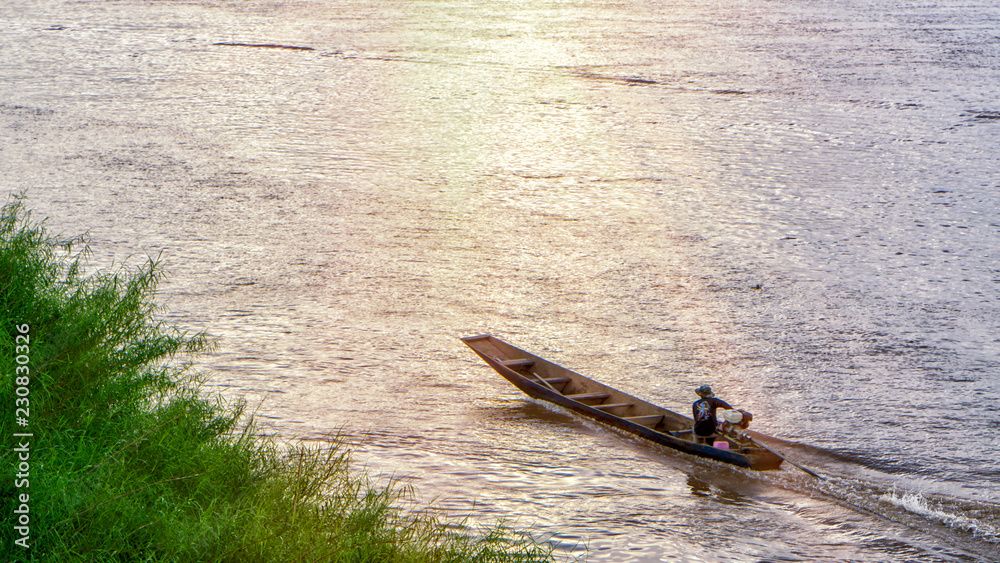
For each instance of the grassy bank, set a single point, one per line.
(121, 458)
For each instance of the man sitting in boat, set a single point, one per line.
(705, 420)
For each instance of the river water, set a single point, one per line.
(797, 202)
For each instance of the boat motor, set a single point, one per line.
(735, 421)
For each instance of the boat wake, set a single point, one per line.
(972, 526)
(905, 499)
(950, 512)
(975, 523)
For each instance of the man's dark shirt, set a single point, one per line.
(704, 415)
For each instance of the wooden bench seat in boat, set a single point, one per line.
(609, 406)
(649, 420)
(588, 396)
(556, 380)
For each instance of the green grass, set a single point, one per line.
(130, 461)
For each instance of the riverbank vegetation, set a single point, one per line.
(112, 453)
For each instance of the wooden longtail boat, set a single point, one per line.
(547, 381)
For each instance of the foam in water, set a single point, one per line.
(920, 505)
